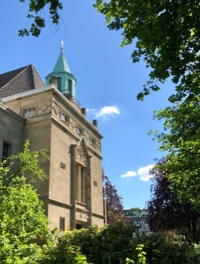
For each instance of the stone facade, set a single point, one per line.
(72, 195)
(12, 130)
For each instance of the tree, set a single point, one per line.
(113, 203)
(181, 141)
(166, 35)
(135, 208)
(35, 13)
(165, 212)
(22, 217)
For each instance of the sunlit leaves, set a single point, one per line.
(167, 36)
(180, 140)
(22, 217)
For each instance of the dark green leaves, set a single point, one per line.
(36, 13)
(167, 35)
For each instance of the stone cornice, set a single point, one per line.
(68, 103)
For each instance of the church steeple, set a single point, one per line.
(61, 75)
(61, 64)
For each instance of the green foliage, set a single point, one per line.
(22, 217)
(163, 248)
(141, 255)
(194, 254)
(36, 13)
(14, 170)
(63, 250)
(135, 208)
(63, 253)
(165, 212)
(108, 245)
(166, 35)
(88, 240)
(181, 140)
(115, 244)
(167, 249)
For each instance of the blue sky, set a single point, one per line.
(107, 85)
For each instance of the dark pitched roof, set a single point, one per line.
(19, 80)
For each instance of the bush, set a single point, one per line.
(63, 253)
(167, 249)
(115, 244)
(110, 244)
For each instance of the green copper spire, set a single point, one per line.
(66, 82)
(61, 64)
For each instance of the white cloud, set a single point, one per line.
(107, 111)
(93, 110)
(129, 174)
(104, 113)
(142, 172)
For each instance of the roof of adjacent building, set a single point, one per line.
(19, 80)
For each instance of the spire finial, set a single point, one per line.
(62, 45)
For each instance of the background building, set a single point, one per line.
(139, 218)
(52, 119)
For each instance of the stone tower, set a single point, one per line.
(50, 117)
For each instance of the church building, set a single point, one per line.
(52, 119)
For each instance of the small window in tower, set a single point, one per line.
(59, 83)
(29, 112)
(63, 117)
(70, 86)
(62, 223)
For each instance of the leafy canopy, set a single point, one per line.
(114, 209)
(36, 13)
(180, 139)
(167, 37)
(165, 212)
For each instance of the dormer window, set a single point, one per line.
(29, 112)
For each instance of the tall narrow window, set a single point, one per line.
(6, 151)
(70, 86)
(82, 191)
(80, 195)
(59, 83)
(62, 223)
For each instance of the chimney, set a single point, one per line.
(94, 122)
